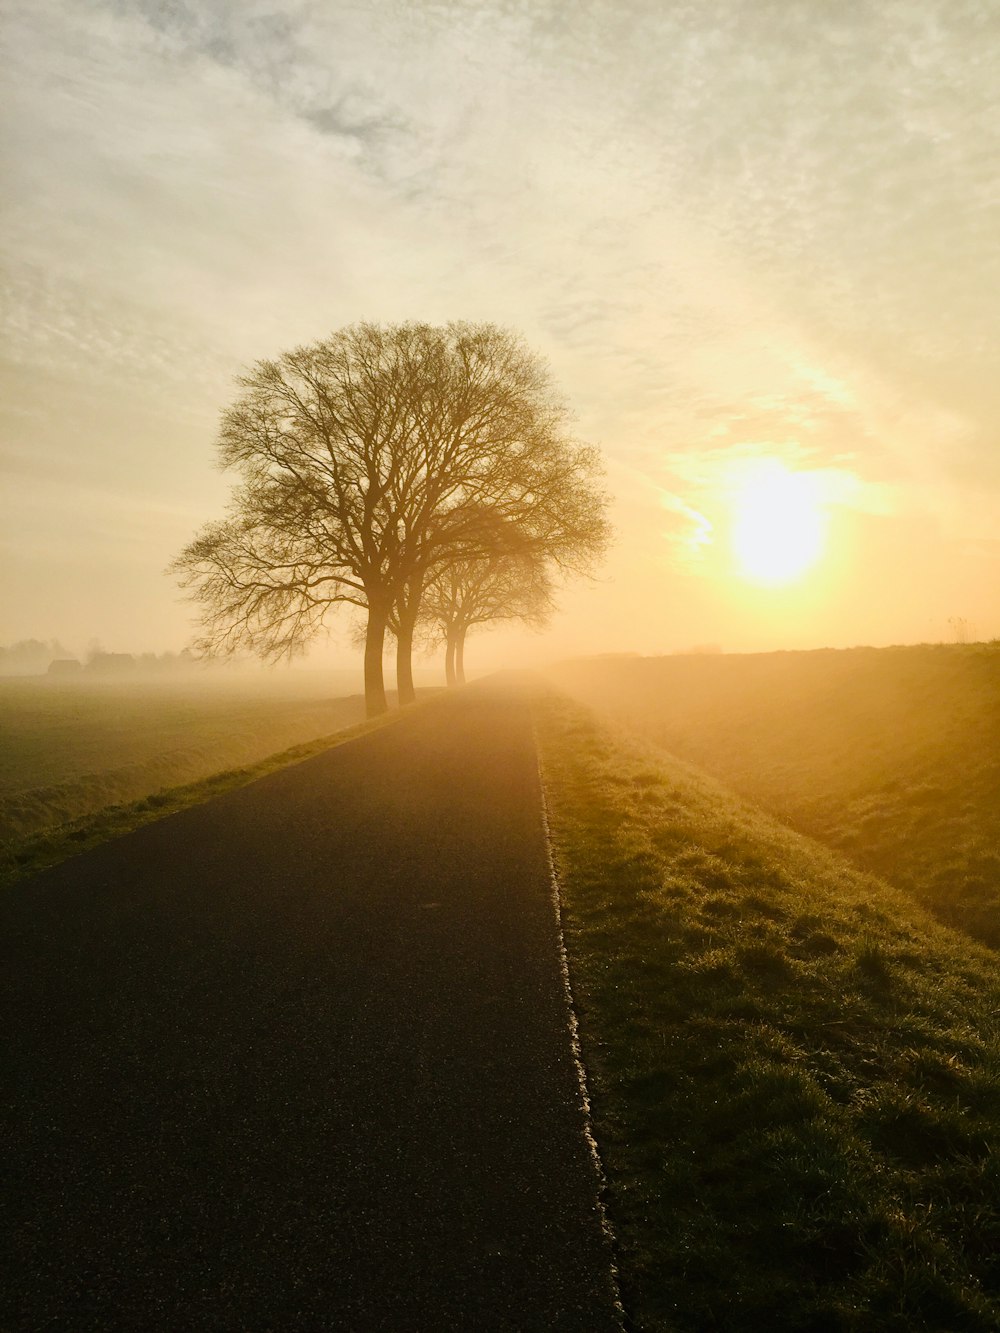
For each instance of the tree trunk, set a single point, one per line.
(460, 658)
(375, 700)
(404, 658)
(449, 659)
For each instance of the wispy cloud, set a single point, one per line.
(730, 227)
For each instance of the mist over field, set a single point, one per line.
(500, 666)
(892, 756)
(70, 747)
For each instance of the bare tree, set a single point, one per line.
(484, 591)
(367, 463)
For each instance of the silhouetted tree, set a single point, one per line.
(368, 462)
(29, 656)
(488, 590)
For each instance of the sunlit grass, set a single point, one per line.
(890, 755)
(26, 855)
(794, 1071)
(69, 749)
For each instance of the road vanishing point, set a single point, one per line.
(300, 1057)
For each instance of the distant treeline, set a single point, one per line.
(35, 657)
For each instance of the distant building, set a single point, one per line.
(64, 666)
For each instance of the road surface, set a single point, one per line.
(298, 1058)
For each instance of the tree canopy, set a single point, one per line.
(368, 464)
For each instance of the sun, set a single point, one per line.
(779, 526)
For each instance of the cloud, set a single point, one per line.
(688, 530)
(731, 229)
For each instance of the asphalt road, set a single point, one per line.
(298, 1058)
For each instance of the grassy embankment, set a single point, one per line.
(889, 755)
(794, 1069)
(80, 763)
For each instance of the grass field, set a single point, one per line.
(69, 749)
(794, 1069)
(28, 854)
(890, 755)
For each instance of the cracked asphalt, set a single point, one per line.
(298, 1058)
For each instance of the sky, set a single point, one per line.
(753, 240)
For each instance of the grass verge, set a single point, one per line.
(889, 755)
(795, 1071)
(21, 857)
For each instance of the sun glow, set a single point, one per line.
(779, 525)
